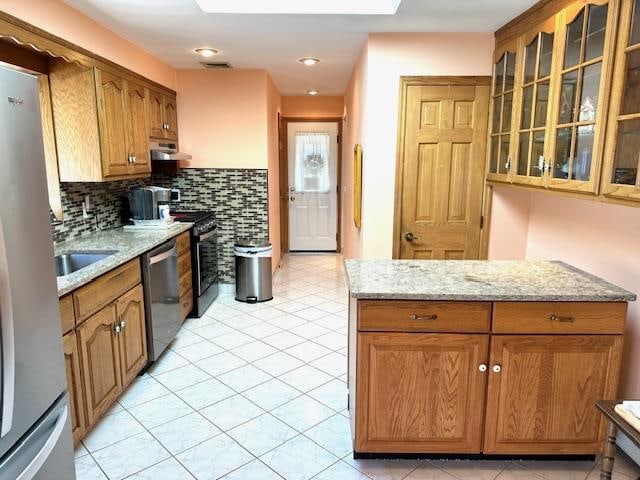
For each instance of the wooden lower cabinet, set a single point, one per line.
(100, 361)
(74, 386)
(542, 400)
(420, 392)
(133, 335)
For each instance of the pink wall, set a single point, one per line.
(509, 225)
(352, 132)
(273, 108)
(308, 106)
(222, 118)
(390, 56)
(59, 19)
(597, 237)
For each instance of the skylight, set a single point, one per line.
(304, 7)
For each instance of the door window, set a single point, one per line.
(312, 162)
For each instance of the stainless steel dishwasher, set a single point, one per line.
(161, 297)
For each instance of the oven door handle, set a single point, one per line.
(206, 236)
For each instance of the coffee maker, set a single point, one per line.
(144, 201)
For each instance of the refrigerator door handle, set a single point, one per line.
(8, 345)
(38, 460)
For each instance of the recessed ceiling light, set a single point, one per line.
(313, 92)
(307, 7)
(206, 52)
(308, 61)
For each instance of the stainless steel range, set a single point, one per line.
(204, 257)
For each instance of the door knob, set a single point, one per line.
(292, 189)
(409, 237)
(292, 198)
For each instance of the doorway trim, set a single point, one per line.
(421, 81)
(283, 127)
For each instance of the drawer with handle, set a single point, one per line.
(423, 316)
(559, 317)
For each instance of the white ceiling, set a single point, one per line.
(171, 29)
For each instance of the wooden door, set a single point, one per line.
(443, 171)
(112, 120)
(156, 114)
(420, 392)
(133, 334)
(542, 399)
(98, 345)
(137, 127)
(74, 386)
(170, 118)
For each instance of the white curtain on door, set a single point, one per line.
(312, 162)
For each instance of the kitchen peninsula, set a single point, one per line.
(480, 357)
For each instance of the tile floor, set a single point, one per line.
(258, 392)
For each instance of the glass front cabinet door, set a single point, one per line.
(582, 86)
(621, 177)
(500, 151)
(534, 98)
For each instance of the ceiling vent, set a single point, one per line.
(216, 64)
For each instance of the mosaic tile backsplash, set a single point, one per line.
(237, 196)
(239, 199)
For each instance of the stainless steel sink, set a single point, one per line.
(70, 262)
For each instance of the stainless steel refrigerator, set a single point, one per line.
(35, 431)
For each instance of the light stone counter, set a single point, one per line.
(127, 244)
(479, 280)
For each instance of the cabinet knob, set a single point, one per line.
(482, 367)
(122, 324)
(133, 158)
(117, 329)
(496, 368)
(129, 158)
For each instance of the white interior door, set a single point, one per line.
(313, 183)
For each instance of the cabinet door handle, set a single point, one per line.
(129, 158)
(133, 159)
(558, 318)
(482, 367)
(122, 324)
(117, 329)
(424, 317)
(507, 164)
(496, 368)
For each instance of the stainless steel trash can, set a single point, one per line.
(253, 270)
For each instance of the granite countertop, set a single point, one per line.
(480, 280)
(127, 244)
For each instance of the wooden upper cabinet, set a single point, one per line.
(137, 118)
(103, 121)
(582, 85)
(132, 336)
(112, 120)
(542, 392)
(621, 176)
(163, 116)
(156, 114)
(171, 117)
(420, 392)
(501, 125)
(100, 354)
(534, 93)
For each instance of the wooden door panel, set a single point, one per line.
(138, 131)
(443, 170)
(133, 336)
(171, 118)
(113, 124)
(74, 386)
(100, 362)
(542, 400)
(156, 114)
(420, 392)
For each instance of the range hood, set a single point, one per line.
(165, 157)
